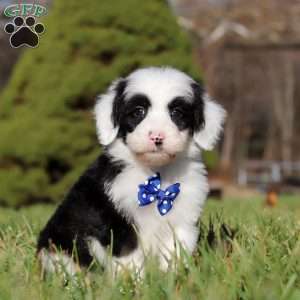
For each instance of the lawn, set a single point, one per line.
(262, 261)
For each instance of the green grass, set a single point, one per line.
(264, 262)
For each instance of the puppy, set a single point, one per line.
(145, 193)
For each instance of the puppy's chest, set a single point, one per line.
(186, 207)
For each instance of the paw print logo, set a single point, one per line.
(24, 32)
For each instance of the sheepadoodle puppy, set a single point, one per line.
(145, 192)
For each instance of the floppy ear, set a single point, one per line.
(105, 112)
(207, 135)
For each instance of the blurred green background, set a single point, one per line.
(46, 124)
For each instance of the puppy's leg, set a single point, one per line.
(53, 262)
(98, 251)
(131, 261)
(187, 237)
(183, 238)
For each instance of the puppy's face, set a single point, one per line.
(156, 131)
(156, 112)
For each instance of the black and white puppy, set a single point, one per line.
(155, 121)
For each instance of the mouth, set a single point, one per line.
(157, 157)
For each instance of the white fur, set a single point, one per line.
(159, 84)
(158, 235)
(57, 263)
(214, 116)
(103, 109)
(133, 260)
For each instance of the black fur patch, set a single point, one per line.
(128, 114)
(188, 114)
(134, 111)
(181, 113)
(119, 102)
(86, 212)
(198, 107)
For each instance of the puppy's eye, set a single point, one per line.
(138, 112)
(177, 113)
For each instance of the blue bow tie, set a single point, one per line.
(150, 191)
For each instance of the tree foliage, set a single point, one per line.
(46, 125)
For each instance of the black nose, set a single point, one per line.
(158, 142)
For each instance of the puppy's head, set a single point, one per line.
(156, 112)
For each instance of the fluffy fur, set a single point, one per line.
(154, 120)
